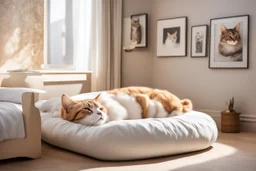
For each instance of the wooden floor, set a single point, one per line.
(232, 152)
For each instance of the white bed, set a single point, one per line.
(20, 131)
(11, 121)
(131, 139)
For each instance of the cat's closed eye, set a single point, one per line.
(88, 109)
(101, 108)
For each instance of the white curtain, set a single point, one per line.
(81, 33)
(101, 43)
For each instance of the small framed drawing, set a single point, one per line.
(172, 37)
(139, 29)
(199, 41)
(229, 42)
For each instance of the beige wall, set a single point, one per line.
(21, 34)
(137, 65)
(190, 77)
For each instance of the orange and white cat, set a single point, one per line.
(123, 103)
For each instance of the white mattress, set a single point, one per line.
(132, 139)
(11, 121)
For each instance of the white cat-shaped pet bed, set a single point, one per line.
(131, 139)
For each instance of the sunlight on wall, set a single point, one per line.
(13, 43)
(21, 34)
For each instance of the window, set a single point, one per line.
(67, 31)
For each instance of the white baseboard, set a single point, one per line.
(247, 121)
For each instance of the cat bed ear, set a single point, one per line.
(66, 101)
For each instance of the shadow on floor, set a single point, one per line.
(60, 158)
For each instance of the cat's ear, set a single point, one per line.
(238, 27)
(223, 28)
(175, 33)
(168, 34)
(135, 21)
(66, 101)
(97, 98)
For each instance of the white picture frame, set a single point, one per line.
(199, 39)
(220, 58)
(172, 37)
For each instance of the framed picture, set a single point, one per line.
(172, 37)
(229, 42)
(199, 41)
(139, 29)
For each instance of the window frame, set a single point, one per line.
(46, 48)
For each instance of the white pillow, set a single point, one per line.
(14, 95)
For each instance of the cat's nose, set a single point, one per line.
(99, 113)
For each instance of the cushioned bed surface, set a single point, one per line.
(132, 139)
(11, 121)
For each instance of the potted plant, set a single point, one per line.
(230, 119)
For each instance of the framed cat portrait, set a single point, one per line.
(172, 37)
(139, 29)
(199, 38)
(229, 42)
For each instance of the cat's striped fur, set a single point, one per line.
(230, 44)
(136, 31)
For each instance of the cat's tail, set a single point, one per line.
(187, 105)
